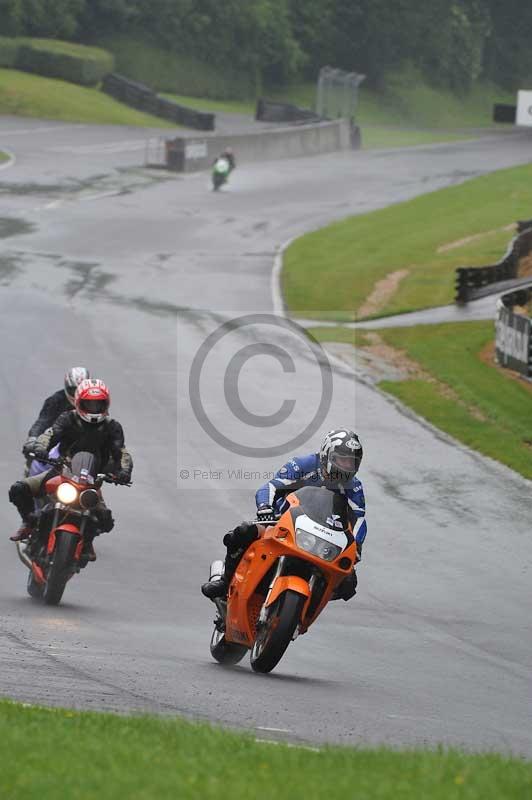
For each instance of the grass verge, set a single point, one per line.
(3, 157)
(456, 386)
(427, 237)
(29, 95)
(57, 753)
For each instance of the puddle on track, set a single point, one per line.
(12, 226)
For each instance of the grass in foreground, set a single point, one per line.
(29, 95)
(48, 754)
(457, 390)
(428, 236)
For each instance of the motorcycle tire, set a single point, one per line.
(226, 652)
(34, 589)
(272, 642)
(61, 568)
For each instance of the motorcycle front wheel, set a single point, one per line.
(276, 634)
(61, 568)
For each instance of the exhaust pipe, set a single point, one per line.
(21, 551)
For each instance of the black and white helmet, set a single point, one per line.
(73, 378)
(340, 454)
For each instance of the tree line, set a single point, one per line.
(453, 43)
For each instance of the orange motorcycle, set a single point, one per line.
(283, 581)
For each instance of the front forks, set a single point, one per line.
(263, 616)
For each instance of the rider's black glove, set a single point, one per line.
(265, 513)
(41, 453)
(29, 446)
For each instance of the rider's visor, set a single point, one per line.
(347, 463)
(94, 406)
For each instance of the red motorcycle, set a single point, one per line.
(63, 519)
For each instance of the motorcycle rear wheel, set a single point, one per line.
(273, 640)
(61, 569)
(226, 652)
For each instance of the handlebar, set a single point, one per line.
(54, 462)
(60, 462)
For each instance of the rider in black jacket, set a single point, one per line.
(53, 406)
(86, 428)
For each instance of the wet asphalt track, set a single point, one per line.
(129, 273)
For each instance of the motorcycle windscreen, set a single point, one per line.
(83, 467)
(323, 506)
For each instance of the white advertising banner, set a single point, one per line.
(524, 108)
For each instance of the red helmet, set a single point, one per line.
(92, 400)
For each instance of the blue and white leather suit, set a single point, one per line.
(306, 471)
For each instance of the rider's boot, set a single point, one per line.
(218, 586)
(24, 532)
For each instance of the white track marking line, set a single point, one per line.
(12, 159)
(279, 308)
(289, 744)
(273, 730)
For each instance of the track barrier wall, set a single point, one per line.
(143, 98)
(475, 282)
(269, 111)
(513, 333)
(192, 154)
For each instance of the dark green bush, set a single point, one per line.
(55, 59)
(8, 51)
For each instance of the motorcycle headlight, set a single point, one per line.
(318, 547)
(66, 493)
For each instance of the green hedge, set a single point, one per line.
(56, 59)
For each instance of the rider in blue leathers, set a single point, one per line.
(334, 468)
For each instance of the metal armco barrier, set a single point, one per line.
(143, 98)
(502, 112)
(513, 334)
(472, 282)
(269, 111)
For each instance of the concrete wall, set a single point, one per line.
(190, 154)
